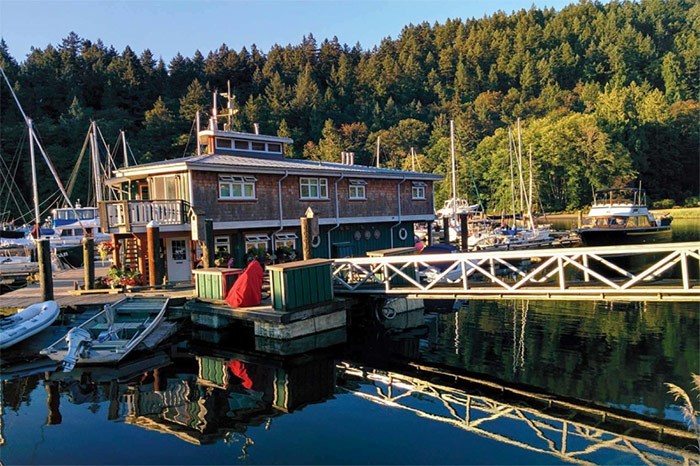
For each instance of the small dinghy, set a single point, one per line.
(27, 322)
(111, 334)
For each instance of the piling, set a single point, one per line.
(446, 229)
(89, 262)
(45, 273)
(306, 237)
(155, 269)
(208, 245)
(464, 232)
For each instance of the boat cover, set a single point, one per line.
(247, 290)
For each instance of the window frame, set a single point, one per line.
(319, 184)
(241, 181)
(418, 190)
(357, 190)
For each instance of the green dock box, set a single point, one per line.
(295, 285)
(397, 280)
(214, 283)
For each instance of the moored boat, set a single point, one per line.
(111, 334)
(621, 216)
(27, 322)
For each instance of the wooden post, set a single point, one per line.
(116, 256)
(89, 262)
(43, 249)
(580, 219)
(155, 269)
(464, 231)
(429, 241)
(306, 237)
(445, 229)
(208, 244)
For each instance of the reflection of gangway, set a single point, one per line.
(635, 272)
(570, 432)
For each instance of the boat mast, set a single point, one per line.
(454, 172)
(35, 189)
(95, 163)
(377, 151)
(126, 156)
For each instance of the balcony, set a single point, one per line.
(128, 216)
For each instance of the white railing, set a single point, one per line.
(139, 213)
(668, 271)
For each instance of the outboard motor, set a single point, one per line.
(78, 340)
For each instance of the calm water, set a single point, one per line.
(508, 382)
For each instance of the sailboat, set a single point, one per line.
(455, 206)
(527, 234)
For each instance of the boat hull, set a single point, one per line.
(107, 339)
(613, 237)
(27, 323)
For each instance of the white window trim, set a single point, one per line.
(418, 190)
(321, 185)
(357, 190)
(237, 180)
(216, 143)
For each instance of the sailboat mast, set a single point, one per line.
(95, 163)
(454, 171)
(35, 192)
(511, 147)
(126, 156)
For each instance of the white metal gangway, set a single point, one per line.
(648, 272)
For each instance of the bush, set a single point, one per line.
(692, 201)
(663, 204)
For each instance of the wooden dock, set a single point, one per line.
(66, 285)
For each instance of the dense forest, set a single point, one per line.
(605, 95)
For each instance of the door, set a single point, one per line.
(179, 264)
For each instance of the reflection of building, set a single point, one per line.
(228, 393)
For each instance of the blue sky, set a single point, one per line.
(169, 27)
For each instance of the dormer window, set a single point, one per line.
(276, 148)
(236, 187)
(242, 145)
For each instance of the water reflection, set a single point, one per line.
(563, 382)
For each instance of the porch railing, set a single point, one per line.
(128, 214)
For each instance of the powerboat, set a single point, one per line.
(621, 216)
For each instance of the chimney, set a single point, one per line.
(347, 158)
(256, 127)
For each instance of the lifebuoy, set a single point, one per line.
(316, 241)
(403, 234)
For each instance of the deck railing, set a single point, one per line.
(128, 214)
(649, 272)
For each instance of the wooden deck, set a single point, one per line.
(66, 283)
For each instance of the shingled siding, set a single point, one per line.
(381, 199)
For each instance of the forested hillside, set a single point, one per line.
(607, 94)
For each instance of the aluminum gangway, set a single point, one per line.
(647, 272)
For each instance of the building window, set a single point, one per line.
(276, 148)
(258, 146)
(313, 188)
(222, 245)
(357, 189)
(257, 242)
(285, 240)
(418, 190)
(222, 143)
(241, 145)
(236, 187)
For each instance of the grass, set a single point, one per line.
(687, 408)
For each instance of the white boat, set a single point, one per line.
(27, 322)
(621, 216)
(110, 335)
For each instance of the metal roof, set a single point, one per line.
(252, 164)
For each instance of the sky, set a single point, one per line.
(184, 26)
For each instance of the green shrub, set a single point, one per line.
(663, 204)
(692, 201)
